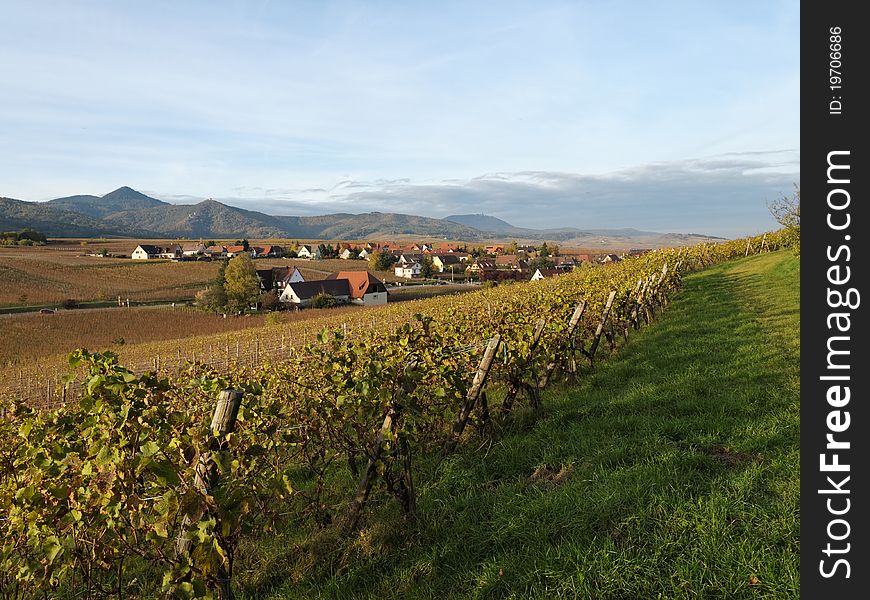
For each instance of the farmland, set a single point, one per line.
(45, 276)
(653, 431)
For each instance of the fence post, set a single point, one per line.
(207, 477)
(473, 394)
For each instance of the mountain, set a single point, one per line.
(56, 222)
(482, 222)
(122, 199)
(128, 213)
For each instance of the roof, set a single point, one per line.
(549, 272)
(150, 248)
(235, 249)
(447, 259)
(308, 289)
(267, 277)
(216, 249)
(361, 282)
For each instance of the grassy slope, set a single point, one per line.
(680, 475)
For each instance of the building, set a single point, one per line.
(444, 262)
(302, 293)
(409, 270)
(365, 288)
(545, 273)
(193, 249)
(149, 251)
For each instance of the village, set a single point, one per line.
(447, 263)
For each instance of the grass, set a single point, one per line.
(672, 471)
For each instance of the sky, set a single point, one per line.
(665, 116)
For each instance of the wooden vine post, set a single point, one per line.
(207, 477)
(598, 330)
(365, 483)
(572, 327)
(473, 394)
(516, 383)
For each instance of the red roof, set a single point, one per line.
(361, 282)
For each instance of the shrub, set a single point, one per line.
(323, 301)
(70, 303)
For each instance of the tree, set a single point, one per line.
(541, 262)
(215, 297)
(543, 251)
(242, 285)
(269, 300)
(381, 261)
(787, 212)
(427, 267)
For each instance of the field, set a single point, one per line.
(39, 276)
(47, 275)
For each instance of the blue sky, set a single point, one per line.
(676, 116)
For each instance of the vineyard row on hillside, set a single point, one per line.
(139, 470)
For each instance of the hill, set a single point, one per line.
(126, 212)
(610, 238)
(122, 199)
(55, 222)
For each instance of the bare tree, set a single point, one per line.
(787, 211)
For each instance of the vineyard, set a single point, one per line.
(176, 468)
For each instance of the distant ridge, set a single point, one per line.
(126, 212)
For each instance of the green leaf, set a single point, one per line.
(149, 448)
(164, 472)
(52, 548)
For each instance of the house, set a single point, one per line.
(480, 267)
(408, 270)
(171, 252)
(216, 251)
(265, 251)
(494, 249)
(608, 258)
(365, 288)
(309, 251)
(193, 249)
(348, 254)
(146, 251)
(235, 250)
(446, 261)
(408, 258)
(303, 292)
(364, 254)
(545, 273)
(565, 263)
(277, 278)
(511, 261)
